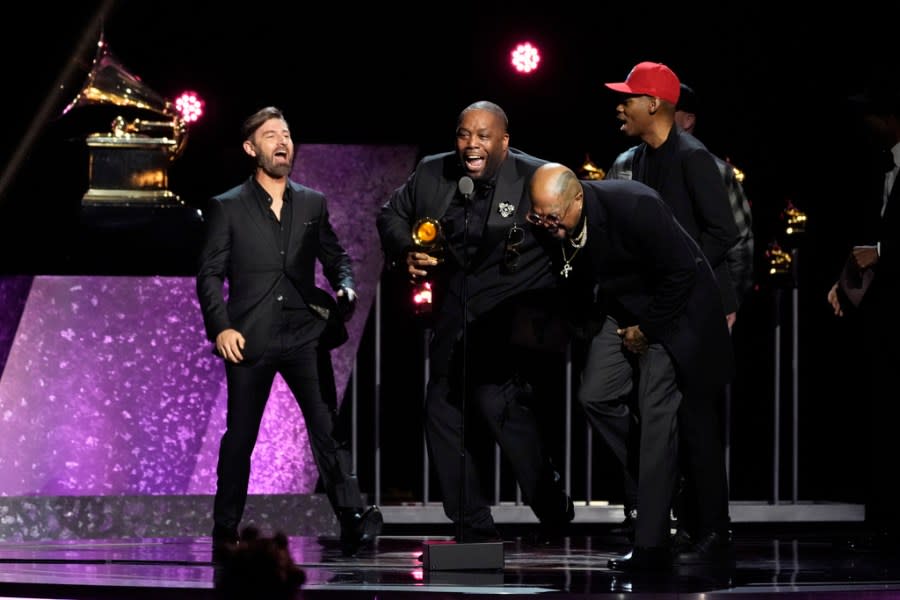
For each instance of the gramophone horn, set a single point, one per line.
(128, 165)
(110, 83)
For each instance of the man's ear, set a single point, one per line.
(249, 149)
(653, 105)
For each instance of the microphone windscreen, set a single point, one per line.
(466, 186)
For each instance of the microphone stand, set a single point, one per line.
(463, 555)
(464, 302)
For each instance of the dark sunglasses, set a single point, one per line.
(549, 222)
(514, 238)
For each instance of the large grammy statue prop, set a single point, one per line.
(128, 201)
(129, 164)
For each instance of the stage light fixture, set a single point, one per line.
(190, 106)
(525, 58)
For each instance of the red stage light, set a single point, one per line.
(525, 58)
(190, 106)
(421, 298)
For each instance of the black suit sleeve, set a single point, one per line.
(665, 251)
(712, 209)
(213, 262)
(395, 219)
(336, 264)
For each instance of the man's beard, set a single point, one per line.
(273, 170)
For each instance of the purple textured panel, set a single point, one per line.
(356, 180)
(108, 388)
(13, 292)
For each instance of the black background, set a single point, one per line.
(773, 90)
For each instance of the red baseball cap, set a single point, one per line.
(650, 79)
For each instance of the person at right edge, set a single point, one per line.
(873, 308)
(684, 173)
(493, 269)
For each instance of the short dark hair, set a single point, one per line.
(258, 567)
(687, 99)
(255, 121)
(488, 106)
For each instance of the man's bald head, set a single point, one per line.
(552, 186)
(557, 193)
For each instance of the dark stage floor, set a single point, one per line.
(789, 561)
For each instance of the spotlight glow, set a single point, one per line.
(190, 106)
(525, 58)
(422, 297)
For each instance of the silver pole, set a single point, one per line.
(568, 432)
(354, 423)
(777, 417)
(377, 416)
(426, 491)
(496, 474)
(795, 384)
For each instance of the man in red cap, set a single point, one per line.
(684, 172)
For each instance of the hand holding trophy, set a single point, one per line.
(426, 237)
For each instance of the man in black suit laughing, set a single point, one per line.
(263, 239)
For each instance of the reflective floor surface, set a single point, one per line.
(787, 561)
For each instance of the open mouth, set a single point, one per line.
(474, 162)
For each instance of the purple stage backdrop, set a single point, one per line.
(110, 388)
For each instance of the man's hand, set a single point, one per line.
(834, 301)
(416, 263)
(633, 339)
(229, 344)
(730, 319)
(865, 256)
(346, 301)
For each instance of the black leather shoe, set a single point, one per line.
(359, 529)
(681, 541)
(643, 560)
(224, 539)
(626, 527)
(713, 548)
(555, 527)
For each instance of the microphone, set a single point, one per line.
(466, 186)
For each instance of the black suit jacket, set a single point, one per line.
(650, 272)
(489, 288)
(239, 250)
(691, 184)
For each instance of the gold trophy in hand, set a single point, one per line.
(426, 236)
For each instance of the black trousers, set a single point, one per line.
(881, 443)
(307, 370)
(648, 451)
(499, 391)
(704, 508)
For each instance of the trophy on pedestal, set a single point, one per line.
(129, 164)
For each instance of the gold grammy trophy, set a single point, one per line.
(426, 236)
(129, 164)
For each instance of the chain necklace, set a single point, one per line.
(578, 243)
(581, 239)
(567, 261)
